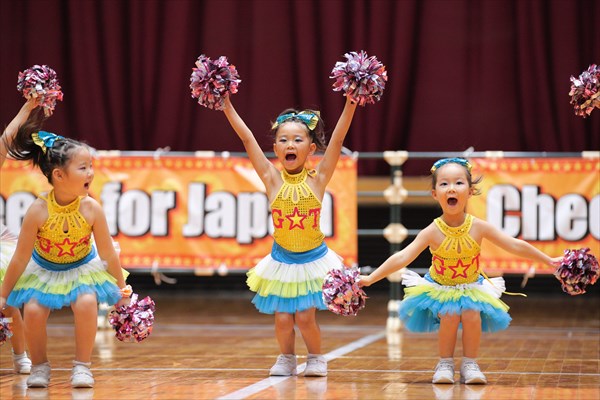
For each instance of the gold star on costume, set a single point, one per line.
(64, 245)
(296, 219)
(459, 270)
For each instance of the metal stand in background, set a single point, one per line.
(395, 232)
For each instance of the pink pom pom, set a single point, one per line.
(362, 78)
(133, 323)
(5, 331)
(341, 292)
(41, 80)
(585, 91)
(577, 270)
(212, 80)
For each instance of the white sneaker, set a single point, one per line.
(444, 372)
(40, 376)
(22, 363)
(284, 366)
(316, 365)
(471, 374)
(81, 376)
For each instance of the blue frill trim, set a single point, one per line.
(272, 304)
(106, 293)
(420, 313)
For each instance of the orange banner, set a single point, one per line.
(188, 213)
(554, 204)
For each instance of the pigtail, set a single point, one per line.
(22, 147)
(46, 158)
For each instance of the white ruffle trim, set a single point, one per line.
(273, 270)
(494, 287)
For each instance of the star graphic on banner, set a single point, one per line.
(45, 244)
(438, 265)
(460, 269)
(66, 244)
(296, 219)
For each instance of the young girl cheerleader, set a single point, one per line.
(454, 292)
(288, 282)
(8, 243)
(57, 262)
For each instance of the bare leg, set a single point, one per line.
(36, 317)
(85, 311)
(311, 333)
(447, 334)
(284, 332)
(471, 334)
(18, 338)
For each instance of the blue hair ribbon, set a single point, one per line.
(45, 139)
(306, 117)
(456, 160)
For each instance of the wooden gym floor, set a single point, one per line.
(216, 346)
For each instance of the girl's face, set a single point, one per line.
(452, 188)
(293, 146)
(77, 176)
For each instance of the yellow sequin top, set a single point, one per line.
(296, 213)
(456, 260)
(65, 236)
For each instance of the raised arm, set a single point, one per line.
(264, 168)
(12, 128)
(327, 165)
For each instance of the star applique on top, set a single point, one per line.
(296, 219)
(66, 248)
(459, 270)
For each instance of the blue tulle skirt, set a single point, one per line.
(425, 300)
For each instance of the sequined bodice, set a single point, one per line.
(296, 213)
(65, 236)
(456, 260)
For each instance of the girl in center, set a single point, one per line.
(288, 282)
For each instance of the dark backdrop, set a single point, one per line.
(492, 74)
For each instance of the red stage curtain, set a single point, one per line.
(484, 73)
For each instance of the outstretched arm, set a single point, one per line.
(264, 168)
(332, 153)
(398, 260)
(12, 128)
(515, 246)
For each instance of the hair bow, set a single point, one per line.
(45, 139)
(457, 160)
(308, 118)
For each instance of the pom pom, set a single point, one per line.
(577, 270)
(585, 91)
(362, 78)
(341, 292)
(212, 80)
(5, 331)
(41, 80)
(133, 323)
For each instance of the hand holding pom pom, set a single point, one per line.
(341, 292)
(577, 270)
(362, 78)
(212, 81)
(40, 80)
(5, 331)
(585, 91)
(133, 323)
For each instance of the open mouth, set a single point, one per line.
(86, 185)
(452, 201)
(290, 157)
